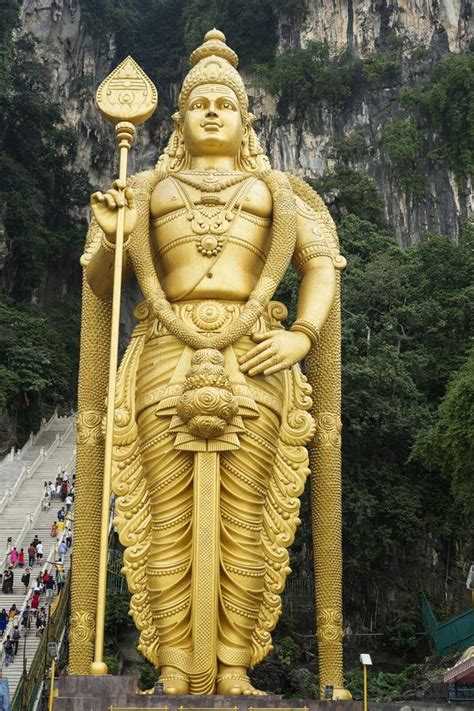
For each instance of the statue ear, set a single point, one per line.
(245, 150)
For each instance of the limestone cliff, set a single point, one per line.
(79, 63)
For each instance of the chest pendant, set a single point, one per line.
(210, 219)
(210, 223)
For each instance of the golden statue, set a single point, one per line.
(211, 407)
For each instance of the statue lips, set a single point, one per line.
(211, 125)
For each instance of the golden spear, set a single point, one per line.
(127, 98)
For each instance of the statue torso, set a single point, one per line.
(210, 243)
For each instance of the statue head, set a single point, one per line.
(213, 115)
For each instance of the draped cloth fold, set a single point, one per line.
(218, 522)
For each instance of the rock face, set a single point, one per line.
(363, 23)
(79, 63)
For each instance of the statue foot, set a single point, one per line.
(175, 683)
(235, 684)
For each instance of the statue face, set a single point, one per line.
(213, 122)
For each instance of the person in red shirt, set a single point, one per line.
(21, 558)
(35, 602)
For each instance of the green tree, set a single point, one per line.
(403, 141)
(311, 77)
(448, 446)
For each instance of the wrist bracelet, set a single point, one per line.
(108, 246)
(306, 327)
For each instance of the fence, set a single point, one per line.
(454, 635)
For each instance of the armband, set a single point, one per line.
(306, 327)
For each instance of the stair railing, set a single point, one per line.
(48, 562)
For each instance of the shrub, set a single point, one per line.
(307, 77)
(403, 142)
(347, 191)
(381, 67)
(450, 109)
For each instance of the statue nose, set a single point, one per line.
(211, 112)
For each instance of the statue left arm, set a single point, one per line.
(316, 259)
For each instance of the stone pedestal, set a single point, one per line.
(103, 693)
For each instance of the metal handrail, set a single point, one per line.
(32, 439)
(49, 561)
(28, 471)
(30, 684)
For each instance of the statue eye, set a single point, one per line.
(197, 105)
(227, 105)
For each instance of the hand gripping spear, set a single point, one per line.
(127, 98)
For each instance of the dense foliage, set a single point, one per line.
(40, 192)
(161, 34)
(306, 78)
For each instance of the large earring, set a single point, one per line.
(245, 148)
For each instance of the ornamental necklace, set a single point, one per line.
(210, 181)
(210, 220)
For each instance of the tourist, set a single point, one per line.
(61, 525)
(21, 558)
(60, 578)
(9, 545)
(69, 538)
(64, 490)
(25, 579)
(13, 612)
(65, 476)
(52, 490)
(68, 502)
(26, 618)
(45, 503)
(8, 579)
(31, 555)
(3, 621)
(15, 639)
(40, 622)
(39, 551)
(61, 514)
(35, 602)
(8, 647)
(35, 540)
(49, 586)
(62, 549)
(13, 557)
(54, 530)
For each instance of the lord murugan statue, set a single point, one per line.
(213, 413)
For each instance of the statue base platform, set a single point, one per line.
(117, 693)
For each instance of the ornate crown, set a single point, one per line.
(213, 63)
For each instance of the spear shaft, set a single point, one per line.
(126, 97)
(125, 132)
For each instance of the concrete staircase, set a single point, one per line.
(22, 518)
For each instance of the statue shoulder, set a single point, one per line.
(143, 183)
(316, 231)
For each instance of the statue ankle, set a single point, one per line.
(175, 683)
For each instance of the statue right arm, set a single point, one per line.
(100, 269)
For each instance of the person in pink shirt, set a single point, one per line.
(13, 557)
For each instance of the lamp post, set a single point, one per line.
(366, 661)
